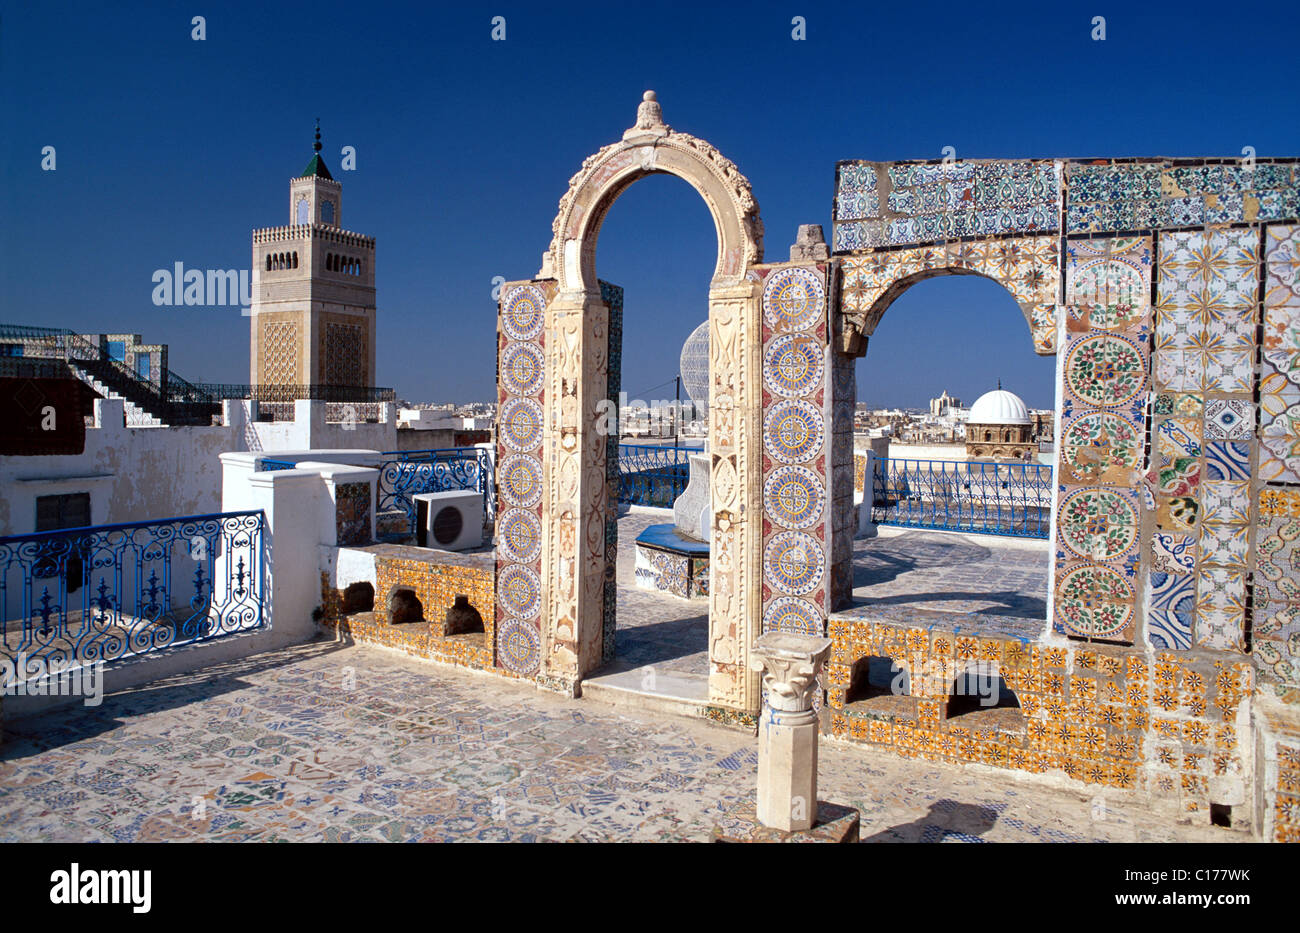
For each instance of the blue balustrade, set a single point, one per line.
(407, 473)
(980, 497)
(652, 474)
(268, 465)
(109, 592)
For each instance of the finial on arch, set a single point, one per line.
(649, 117)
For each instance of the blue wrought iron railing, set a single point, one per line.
(650, 474)
(268, 465)
(109, 592)
(407, 473)
(975, 496)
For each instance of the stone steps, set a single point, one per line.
(680, 693)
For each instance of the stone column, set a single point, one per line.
(787, 729)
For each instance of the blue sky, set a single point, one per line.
(171, 150)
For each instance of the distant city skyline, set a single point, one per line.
(463, 147)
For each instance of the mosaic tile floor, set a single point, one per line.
(899, 567)
(656, 628)
(277, 747)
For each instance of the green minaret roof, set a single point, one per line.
(316, 167)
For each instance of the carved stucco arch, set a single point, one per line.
(652, 148)
(576, 614)
(1026, 268)
(897, 287)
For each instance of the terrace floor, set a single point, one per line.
(330, 742)
(1002, 577)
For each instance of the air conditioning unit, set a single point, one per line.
(451, 521)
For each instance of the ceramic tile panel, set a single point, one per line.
(1109, 196)
(907, 203)
(798, 405)
(1108, 284)
(1095, 714)
(612, 295)
(1027, 267)
(1279, 456)
(521, 380)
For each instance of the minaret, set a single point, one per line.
(313, 311)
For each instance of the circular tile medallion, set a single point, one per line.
(520, 536)
(793, 615)
(793, 562)
(523, 314)
(522, 366)
(793, 299)
(519, 646)
(520, 479)
(1105, 370)
(792, 431)
(1095, 601)
(1098, 524)
(520, 424)
(793, 496)
(792, 365)
(519, 591)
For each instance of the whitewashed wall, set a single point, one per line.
(141, 473)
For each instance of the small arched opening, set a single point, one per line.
(358, 597)
(404, 606)
(980, 698)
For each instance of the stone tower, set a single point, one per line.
(313, 312)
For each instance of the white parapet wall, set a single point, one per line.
(146, 473)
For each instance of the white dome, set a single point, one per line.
(999, 407)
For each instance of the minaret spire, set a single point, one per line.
(316, 147)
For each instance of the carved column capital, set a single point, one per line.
(790, 665)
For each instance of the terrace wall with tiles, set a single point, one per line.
(1174, 726)
(436, 582)
(1170, 290)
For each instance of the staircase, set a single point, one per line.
(173, 402)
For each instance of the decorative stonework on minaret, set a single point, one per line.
(313, 312)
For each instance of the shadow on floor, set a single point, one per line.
(64, 725)
(660, 642)
(962, 822)
(1000, 602)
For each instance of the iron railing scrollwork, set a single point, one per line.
(407, 473)
(980, 497)
(110, 592)
(651, 474)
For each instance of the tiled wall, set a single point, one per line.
(521, 376)
(1171, 724)
(436, 583)
(797, 418)
(1104, 371)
